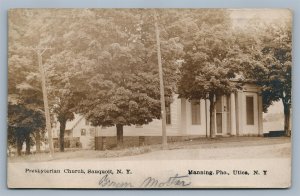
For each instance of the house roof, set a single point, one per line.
(71, 124)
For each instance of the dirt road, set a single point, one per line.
(201, 149)
(281, 150)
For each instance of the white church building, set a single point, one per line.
(237, 114)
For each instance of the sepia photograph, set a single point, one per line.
(149, 98)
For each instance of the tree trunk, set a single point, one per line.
(62, 135)
(19, 146)
(119, 134)
(287, 118)
(38, 142)
(27, 141)
(212, 116)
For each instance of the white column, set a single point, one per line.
(183, 114)
(215, 124)
(240, 111)
(232, 114)
(207, 117)
(260, 116)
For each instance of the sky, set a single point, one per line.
(240, 17)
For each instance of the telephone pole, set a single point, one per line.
(161, 82)
(40, 51)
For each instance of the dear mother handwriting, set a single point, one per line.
(175, 181)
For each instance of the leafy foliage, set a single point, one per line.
(208, 69)
(123, 83)
(271, 66)
(103, 63)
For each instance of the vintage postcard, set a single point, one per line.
(149, 98)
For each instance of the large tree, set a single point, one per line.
(24, 90)
(270, 65)
(23, 125)
(49, 30)
(266, 47)
(122, 85)
(209, 62)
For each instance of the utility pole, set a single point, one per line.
(161, 82)
(40, 51)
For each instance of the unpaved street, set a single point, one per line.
(225, 148)
(218, 151)
(198, 149)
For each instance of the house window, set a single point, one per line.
(168, 114)
(87, 123)
(195, 109)
(83, 132)
(138, 126)
(250, 110)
